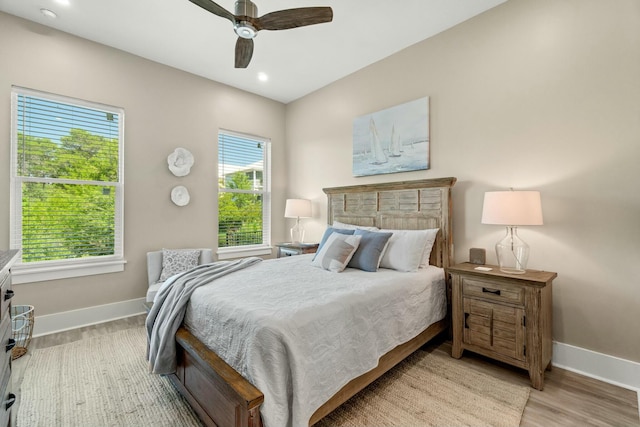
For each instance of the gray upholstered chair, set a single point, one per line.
(154, 269)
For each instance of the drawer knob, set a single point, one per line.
(491, 291)
(10, 344)
(10, 401)
(8, 295)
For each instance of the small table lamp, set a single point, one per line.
(297, 208)
(512, 208)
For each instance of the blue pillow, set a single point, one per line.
(326, 235)
(370, 251)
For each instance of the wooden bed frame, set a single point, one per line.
(222, 397)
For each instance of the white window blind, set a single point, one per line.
(66, 179)
(244, 198)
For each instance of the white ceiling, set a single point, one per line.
(298, 61)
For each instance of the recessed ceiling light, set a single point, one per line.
(48, 13)
(63, 2)
(263, 77)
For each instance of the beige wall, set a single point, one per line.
(164, 109)
(534, 94)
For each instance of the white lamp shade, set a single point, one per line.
(297, 208)
(512, 208)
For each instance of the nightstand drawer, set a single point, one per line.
(492, 291)
(289, 252)
(291, 249)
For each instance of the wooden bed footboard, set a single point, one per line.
(222, 397)
(218, 393)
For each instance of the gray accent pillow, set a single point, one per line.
(176, 261)
(336, 252)
(326, 235)
(370, 250)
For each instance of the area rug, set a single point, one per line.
(433, 389)
(98, 382)
(104, 381)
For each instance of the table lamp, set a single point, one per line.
(297, 208)
(512, 209)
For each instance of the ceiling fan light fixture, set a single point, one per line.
(48, 13)
(245, 30)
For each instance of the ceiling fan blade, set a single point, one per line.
(244, 52)
(214, 8)
(292, 18)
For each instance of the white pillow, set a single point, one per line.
(338, 224)
(431, 239)
(337, 252)
(406, 248)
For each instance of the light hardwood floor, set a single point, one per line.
(568, 399)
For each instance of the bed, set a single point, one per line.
(223, 397)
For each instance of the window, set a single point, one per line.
(244, 197)
(66, 186)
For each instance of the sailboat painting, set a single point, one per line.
(392, 140)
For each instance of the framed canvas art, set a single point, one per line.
(392, 140)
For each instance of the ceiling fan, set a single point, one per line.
(246, 23)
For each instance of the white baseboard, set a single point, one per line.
(66, 320)
(610, 369)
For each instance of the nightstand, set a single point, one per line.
(503, 316)
(289, 249)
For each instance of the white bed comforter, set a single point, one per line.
(300, 333)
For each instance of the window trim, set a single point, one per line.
(60, 269)
(229, 252)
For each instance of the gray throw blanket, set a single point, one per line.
(170, 305)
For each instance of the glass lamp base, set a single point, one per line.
(512, 270)
(297, 233)
(512, 252)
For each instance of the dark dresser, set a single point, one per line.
(7, 258)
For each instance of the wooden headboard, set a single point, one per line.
(404, 205)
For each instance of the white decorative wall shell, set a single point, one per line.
(180, 195)
(180, 162)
